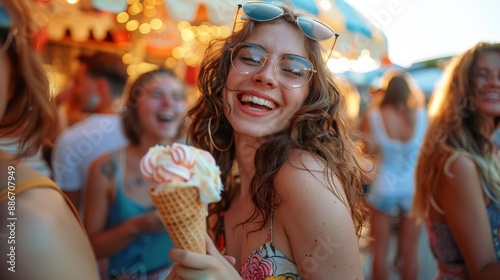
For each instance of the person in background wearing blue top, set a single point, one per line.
(120, 217)
(395, 133)
(275, 121)
(458, 172)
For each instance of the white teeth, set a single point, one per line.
(258, 101)
(165, 117)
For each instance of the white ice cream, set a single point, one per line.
(181, 165)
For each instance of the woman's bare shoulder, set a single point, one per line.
(459, 167)
(303, 177)
(43, 208)
(49, 230)
(313, 213)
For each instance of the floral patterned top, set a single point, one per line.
(267, 262)
(451, 265)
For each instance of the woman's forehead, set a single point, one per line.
(279, 36)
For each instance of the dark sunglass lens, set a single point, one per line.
(262, 11)
(5, 20)
(315, 29)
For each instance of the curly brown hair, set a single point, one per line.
(319, 127)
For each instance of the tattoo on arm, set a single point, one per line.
(108, 169)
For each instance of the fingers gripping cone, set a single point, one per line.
(188, 179)
(184, 216)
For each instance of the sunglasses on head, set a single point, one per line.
(6, 34)
(311, 27)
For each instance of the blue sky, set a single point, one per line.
(425, 29)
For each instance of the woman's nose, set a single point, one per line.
(267, 75)
(167, 100)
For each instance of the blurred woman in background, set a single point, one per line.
(394, 135)
(458, 173)
(120, 217)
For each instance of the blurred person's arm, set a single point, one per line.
(369, 142)
(56, 243)
(417, 94)
(50, 242)
(463, 202)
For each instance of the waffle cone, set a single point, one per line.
(184, 216)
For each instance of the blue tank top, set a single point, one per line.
(148, 252)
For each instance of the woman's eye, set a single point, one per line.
(251, 60)
(292, 72)
(155, 94)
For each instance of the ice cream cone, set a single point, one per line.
(184, 216)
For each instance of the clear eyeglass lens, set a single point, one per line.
(294, 71)
(311, 27)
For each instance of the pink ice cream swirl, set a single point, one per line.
(180, 163)
(167, 164)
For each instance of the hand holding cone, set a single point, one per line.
(188, 180)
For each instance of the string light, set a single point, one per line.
(143, 16)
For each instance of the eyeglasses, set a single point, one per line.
(294, 71)
(311, 27)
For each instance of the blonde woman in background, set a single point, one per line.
(458, 174)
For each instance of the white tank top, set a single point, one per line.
(396, 173)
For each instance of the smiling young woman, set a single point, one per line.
(275, 121)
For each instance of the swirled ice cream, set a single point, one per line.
(180, 165)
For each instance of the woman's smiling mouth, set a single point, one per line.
(256, 103)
